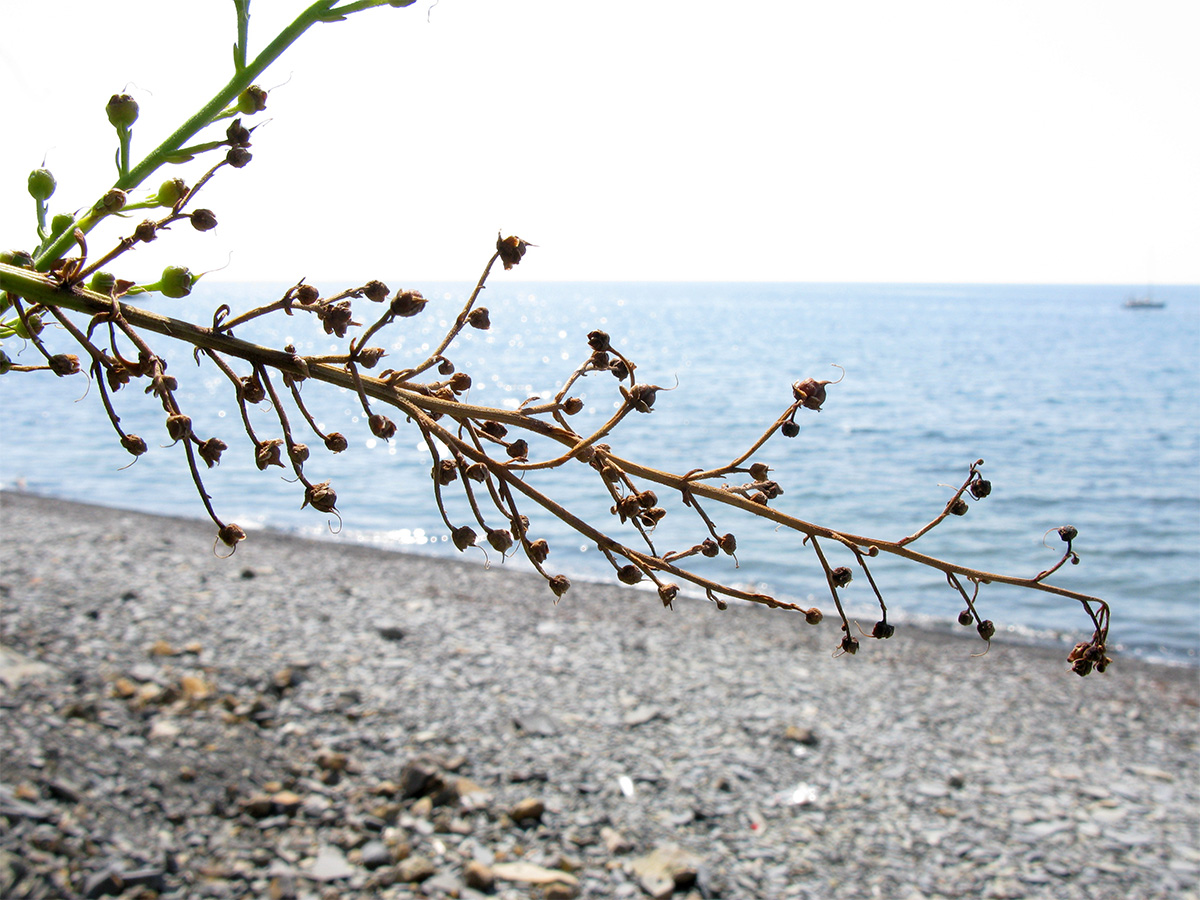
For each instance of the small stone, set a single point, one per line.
(330, 865)
(391, 632)
(102, 884)
(258, 805)
(375, 854)
(528, 809)
(641, 715)
(614, 841)
(805, 736)
(668, 868)
(414, 869)
(161, 648)
(529, 873)
(331, 760)
(286, 802)
(479, 877)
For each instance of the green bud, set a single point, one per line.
(19, 258)
(41, 185)
(177, 282)
(252, 100)
(35, 326)
(122, 110)
(60, 223)
(103, 283)
(171, 192)
(5, 363)
(5, 303)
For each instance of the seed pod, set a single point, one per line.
(1068, 533)
(463, 537)
(122, 111)
(368, 357)
(789, 429)
(572, 405)
(62, 364)
(375, 291)
(477, 472)
(267, 454)
(210, 451)
(986, 629)
(336, 442)
(500, 539)
(382, 427)
(298, 453)
(252, 390)
(479, 318)
(178, 426)
(5, 363)
(204, 220)
(619, 369)
(112, 201)
(980, 488)
(41, 185)
(176, 282)
(647, 499)
(883, 629)
(171, 192)
(133, 444)
(408, 303)
(599, 360)
(231, 534)
(709, 548)
(145, 231)
(28, 327)
(511, 250)
(813, 616)
(252, 100)
(759, 471)
(841, 576)
(965, 618)
(238, 157)
(598, 341)
(728, 543)
(642, 396)
(667, 593)
(460, 382)
(445, 367)
(810, 393)
(493, 429)
(539, 550)
(237, 134)
(518, 449)
(560, 585)
(445, 472)
(959, 507)
(320, 497)
(58, 224)
(850, 644)
(652, 516)
(306, 294)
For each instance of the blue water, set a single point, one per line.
(1085, 413)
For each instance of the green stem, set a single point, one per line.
(241, 80)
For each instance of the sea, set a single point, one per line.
(1084, 412)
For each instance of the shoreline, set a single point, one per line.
(180, 690)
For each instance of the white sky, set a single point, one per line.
(856, 140)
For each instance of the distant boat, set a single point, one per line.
(1144, 303)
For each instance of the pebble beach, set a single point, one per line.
(315, 719)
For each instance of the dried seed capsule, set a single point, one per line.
(210, 451)
(493, 429)
(883, 629)
(133, 444)
(460, 382)
(237, 134)
(369, 357)
(178, 426)
(841, 576)
(759, 471)
(408, 303)
(642, 396)
(320, 497)
(1068, 533)
(810, 393)
(204, 220)
(375, 291)
(518, 449)
(511, 250)
(980, 488)
(479, 318)
(709, 548)
(813, 616)
(113, 201)
(298, 453)
(445, 472)
(572, 405)
(789, 429)
(539, 550)
(252, 390)
(41, 185)
(986, 629)
(336, 442)
(445, 367)
(238, 157)
(667, 593)
(598, 341)
(477, 472)
(560, 584)
(500, 539)
(647, 499)
(959, 507)
(619, 369)
(231, 534)
(728, 543)
(965, 618)
(306, 294)
(463, 537)
(268, 454)
(381, 426)
(145, 231)
(850, 644)
(62, 364)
